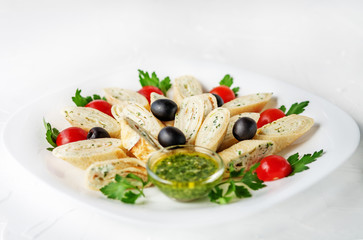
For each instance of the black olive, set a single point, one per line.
(244, 128)
(164, 109)
(171, 136)
(220, 101)
(97, 132)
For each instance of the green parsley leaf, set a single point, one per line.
(299, 165)
(242, 192)
(83, 101)
(283, 108)
(295, 108)
(147, 80)
(252, 181)
(50, 135)
(215, 194)
(130, 197)
(126, 189)
(235, 90)
(236, 184)
(153, 80)
(165, 85)
(227, 80)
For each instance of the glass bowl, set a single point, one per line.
(185, 172)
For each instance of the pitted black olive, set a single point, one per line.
(171, 136)
(97, 132)
(244, 128)
(164, 109)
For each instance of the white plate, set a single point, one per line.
(334, 131)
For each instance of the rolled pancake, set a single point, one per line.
(83, 153)
(213, 129)
(248, 103)
(247, 153)
(87, 118)
(285, 131)
(100, 174)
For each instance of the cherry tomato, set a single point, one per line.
(269, 115)
(272, 168)
(71, 134)
(224, 92)
(147, 90)
(101, 105)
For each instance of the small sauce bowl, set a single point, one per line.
(185, 172)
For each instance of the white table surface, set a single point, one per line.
(315, 45)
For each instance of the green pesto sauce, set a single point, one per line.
(188, 173)
(185, 167)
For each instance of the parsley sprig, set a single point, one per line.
(153, 80)
(295, 108)
(299, 165)
(50, 135)
(81, 101)
(126, 189)
(228, 81)
(238, 185)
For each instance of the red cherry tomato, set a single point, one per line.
(101, 105)
(71, 134)
(147, 90)
(272, 168)
(224, 92)
(269, 115)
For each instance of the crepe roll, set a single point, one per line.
(116, 111)
(213, 129)
(189, 117)
(210, 102)
(248, 103)
(144, 118)
(83, 153)
(186, 86)
(246, 153)
(134, 143)
(120, 96)
(285, 131)
(229, 139)
(87, 118)
(99, 174)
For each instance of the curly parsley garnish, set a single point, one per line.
(228, 81)
(295, 108)
(83, 101)
(153, 80)
(50, 135)
(126, 189)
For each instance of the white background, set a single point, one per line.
(315, 45)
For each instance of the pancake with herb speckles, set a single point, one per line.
(186, 86)
(285, 131)
(100, 174)
(83, 153)
(247, 153)
(119, 96)
(213, 129)
(87, 118)
(248, 103)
